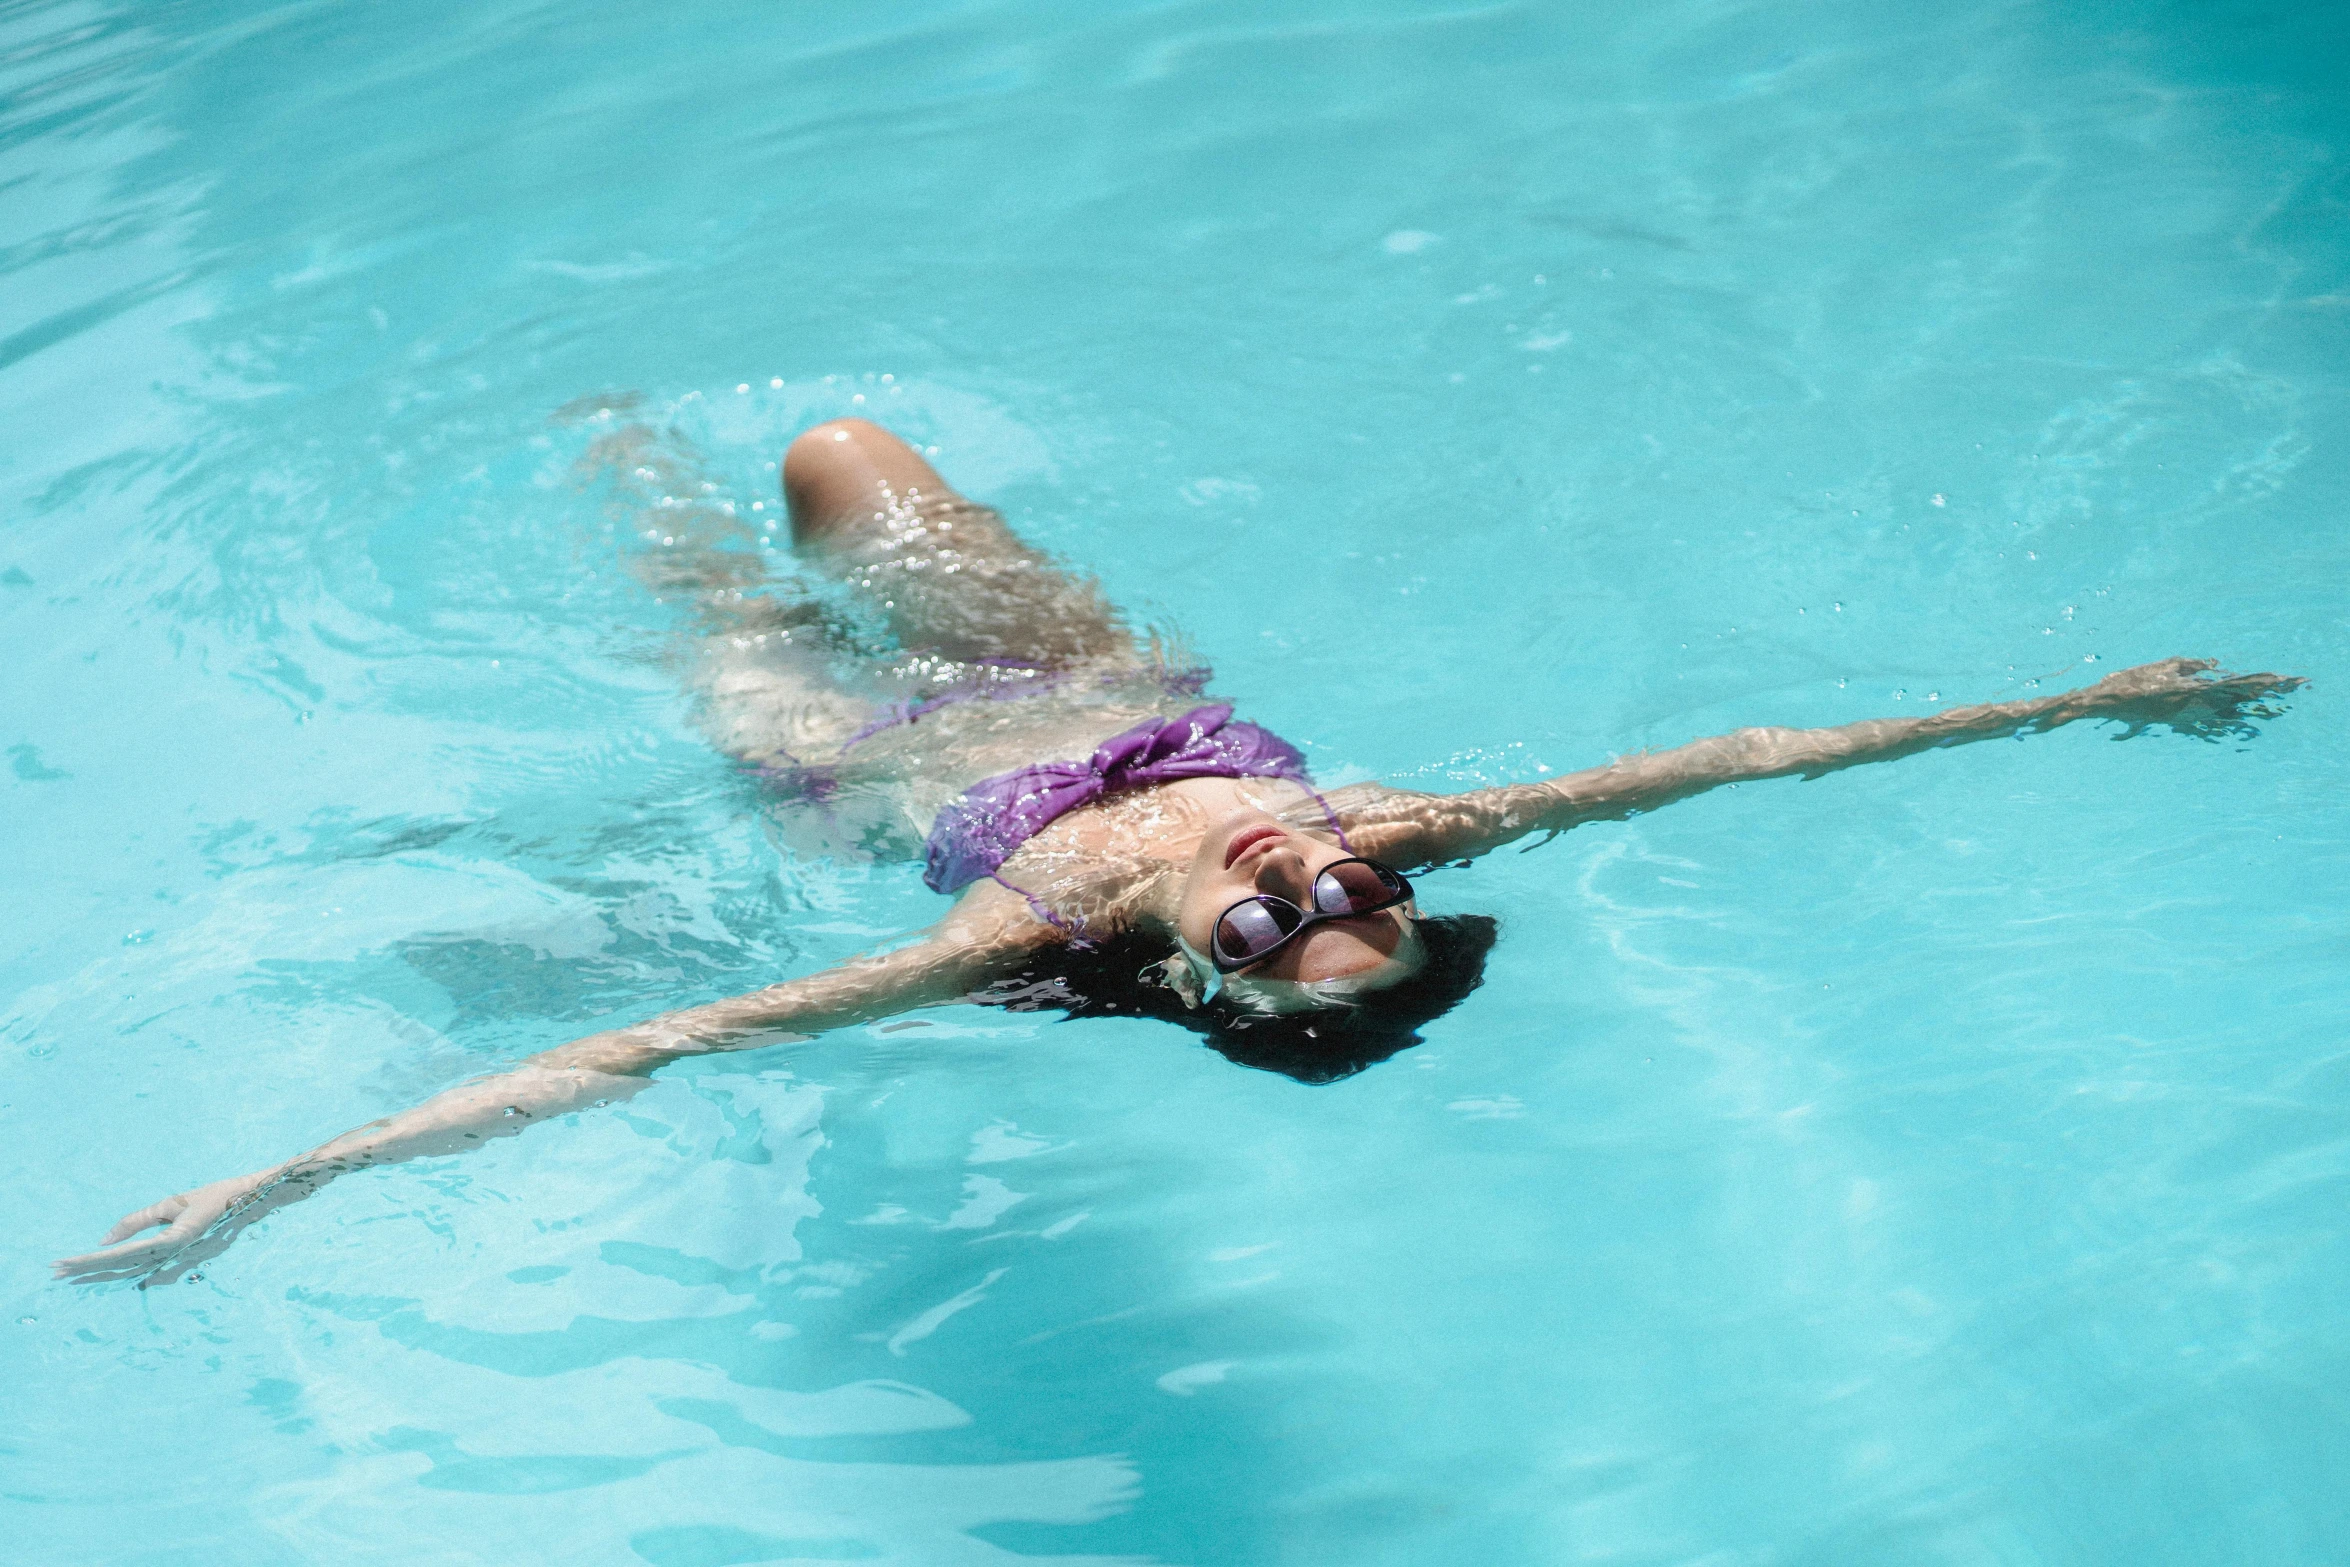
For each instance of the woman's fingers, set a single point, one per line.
(185, 1217)
(115, 1262)
(163, 1212)
(104, 1255)
(2224, 688)
(2191, 696)
(2193, 677)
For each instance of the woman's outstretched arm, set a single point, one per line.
(1422, 829)
(989, 931)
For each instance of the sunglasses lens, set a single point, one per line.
(1355, 887)
(1251, 929)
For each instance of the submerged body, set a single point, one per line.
(1077, 785)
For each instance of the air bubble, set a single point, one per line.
(742, 387)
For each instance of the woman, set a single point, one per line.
(1117, 843)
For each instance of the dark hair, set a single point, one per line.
(1121, 978)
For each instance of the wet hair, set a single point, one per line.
(1123, 978)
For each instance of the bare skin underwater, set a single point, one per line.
(974, 609)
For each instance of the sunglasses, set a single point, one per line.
(1253, 929)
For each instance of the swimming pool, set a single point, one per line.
(1940, 1162)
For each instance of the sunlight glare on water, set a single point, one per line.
(1939, 1162)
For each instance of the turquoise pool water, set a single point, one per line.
(1937, 1163)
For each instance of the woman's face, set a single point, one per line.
(1250, 852)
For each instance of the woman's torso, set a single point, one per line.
(873, 782)
(877, 791)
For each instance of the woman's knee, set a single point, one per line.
(846, 471)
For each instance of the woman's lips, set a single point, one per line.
(1246, 839)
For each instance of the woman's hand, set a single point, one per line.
(2182, 694)
(195, 1225)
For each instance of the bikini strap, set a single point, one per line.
(1044, 911)
(1330, 816)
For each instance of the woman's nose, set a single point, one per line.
(1282, 871)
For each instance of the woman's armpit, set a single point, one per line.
(1042, 898)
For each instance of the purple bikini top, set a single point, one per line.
(989, 821)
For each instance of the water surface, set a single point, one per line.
(1936, 1163)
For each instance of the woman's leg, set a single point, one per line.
(692, 545)
(952, 579)
(758, 663)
